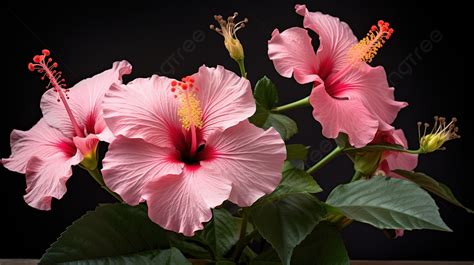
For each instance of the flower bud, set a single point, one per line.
(440, 134)
(228, 29)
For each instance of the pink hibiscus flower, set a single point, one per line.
(348, 95)
(67, 135)
(186, 146)
(392, 160)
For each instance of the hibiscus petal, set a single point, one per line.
(349, 116)
(41, 141)
(144, 108)
(226, 99)
(181, 203)
(85, 100)
(369, 85)
(292, 54)
(250, 158)
(335, 39)
(400, 160)
(130, 163)
(87, 144)
(46, 178)
(106, 134)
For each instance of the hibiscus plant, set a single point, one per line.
(199, 166)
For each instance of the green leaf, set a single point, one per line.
(189, 246)
(293, 218)
(387, 203)
(225, 262)
(167, 257)
(247, 255)
(222, 232)
(171, 256)
(266, 93)
(260, 116)
(324, 246)
(265, 119)
(433, 186)
(285, 126)
(267, 258)
(366, 159)
(266, 97)
(294, 180)
(111, 230)
(366, 162)
(296, 152)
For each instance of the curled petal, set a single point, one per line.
(292, 54)
(86, 145)
(46, 179)
(335, 40)
(41, 141)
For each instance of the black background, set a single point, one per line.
(87, 38)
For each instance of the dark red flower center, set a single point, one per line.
(182, 140)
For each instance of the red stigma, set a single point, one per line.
(384, 28)
(186, 84)
(37, 58)
(47, 68)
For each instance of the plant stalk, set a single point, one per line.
(293, 105)
(243, 241)
(97, 176)
(333, 154)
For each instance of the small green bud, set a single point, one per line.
(440, 134)
(228, 29)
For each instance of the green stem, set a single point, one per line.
(336, 217)
(334, 153)
(293, 105)
(241, 63)
(99, 179)
(242, 238)
(376, 147)
(357, 176)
